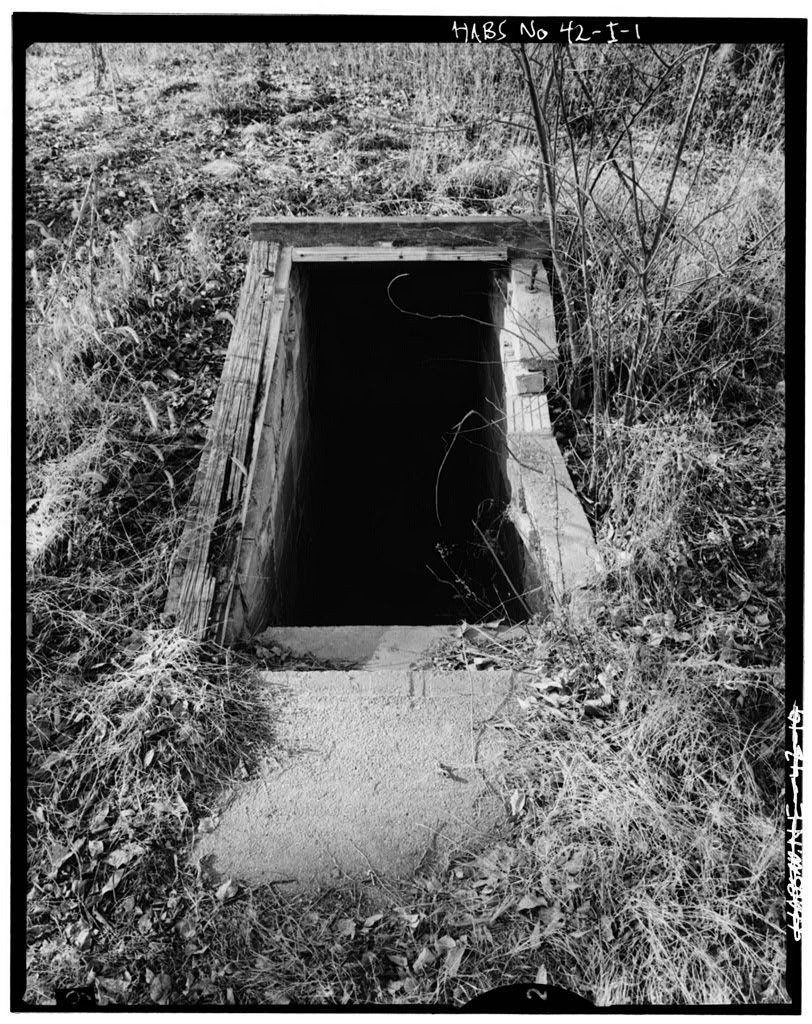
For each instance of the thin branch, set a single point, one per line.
(678, 157)
(549, 201)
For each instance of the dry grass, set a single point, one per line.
(120, 770)
(644, 860)
(678, 857)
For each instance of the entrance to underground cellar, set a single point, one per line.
(382, 396)
(399, 481)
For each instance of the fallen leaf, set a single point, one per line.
(275, 997)
(424, 958)
(598, 705)
(58, 855)
(123, 855)
(552, 918)
(453, 960)
(346, 926)
(547, 683)
(160, 988)
(152, 414)
(112, 881)
(113, 986)
(186, 928)
(228, 890)
(373, 920)
(576, 862)
(556, 699)
(530, 902)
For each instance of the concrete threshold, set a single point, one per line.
(367, 647)
(374, 772)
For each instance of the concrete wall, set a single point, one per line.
(560, 555)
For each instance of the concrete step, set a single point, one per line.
(367, 647)
(371, 772)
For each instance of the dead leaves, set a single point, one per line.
(160, 987)
(112, 882)
(547, 919)
(453, 958)
(486, 646)
(570, 692)
(345, 927)
(424, 959)
(530, 902)
(121, 856)
(228, 891)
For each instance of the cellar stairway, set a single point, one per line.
(382, 761)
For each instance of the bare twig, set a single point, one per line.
(549, 203)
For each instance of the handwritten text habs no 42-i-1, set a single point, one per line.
(569, 32)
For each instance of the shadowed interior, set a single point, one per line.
(406, 449)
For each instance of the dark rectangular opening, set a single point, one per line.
(402, 486)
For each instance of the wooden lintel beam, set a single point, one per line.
(394, 254)
(521, 236)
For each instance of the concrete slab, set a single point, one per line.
(370, 647)
(545, 508)
(551, 519)
(370, 772)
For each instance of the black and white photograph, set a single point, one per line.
(413, 593)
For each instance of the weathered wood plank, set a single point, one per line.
(520, 235)
(217, 497)
(277, 314)
(393, 253)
